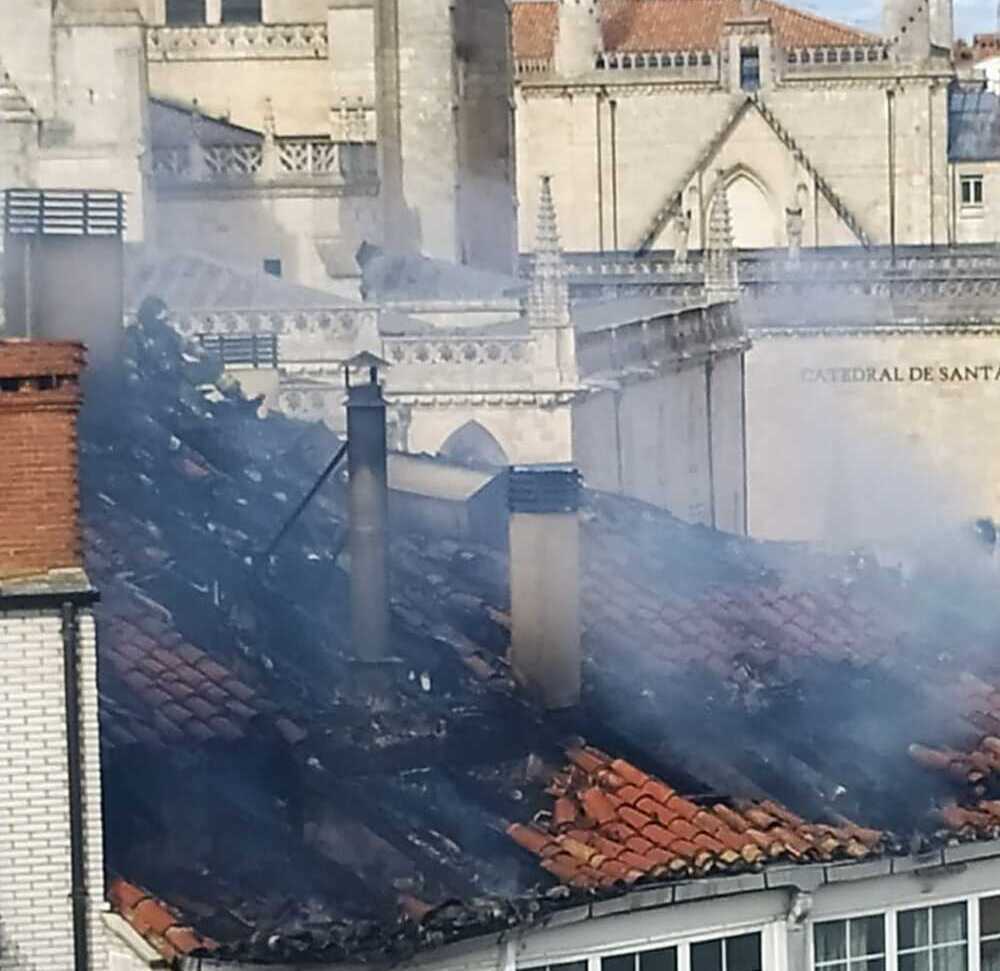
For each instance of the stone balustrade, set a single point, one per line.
(526, 66)
(698, 65)
(353, 122)
(229, 42)
(800, 60)
(307, 335)
(684, 65)
(281, 160)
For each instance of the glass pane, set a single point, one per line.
(989, 916)
(241, 11)
(620, 962)
(867, 935)
(664, 959)
(831, 941)
(873, 964)
(989, 956)
(913, 929)
(948, 923)
(949, 958)
(743, 953)
(193, 12)
(706, 956)
(915, 961)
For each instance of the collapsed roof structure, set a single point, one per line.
(269, 798)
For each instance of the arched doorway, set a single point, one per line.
(473, 445)
(754, 223)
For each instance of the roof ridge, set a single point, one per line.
(820, 19)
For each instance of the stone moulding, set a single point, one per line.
(458, 351)
(231, 42)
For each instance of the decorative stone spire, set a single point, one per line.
(721, 280)
(548, 303)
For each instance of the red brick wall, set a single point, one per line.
(39, 499)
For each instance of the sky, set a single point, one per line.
(971, 16)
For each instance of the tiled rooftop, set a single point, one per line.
(611, 823)
(675, 25)
(756, 702)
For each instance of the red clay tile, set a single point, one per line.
(658, 791)
(597, 805)
(634, 818)
(635, 861)
(564, 812)
(185, 941)
(682, 828)
(575, 848)
(731, 818)
(617, 871)
(682, 807)
(151, 917)
(529, 837)
(124, 895)
(639, 845)
(629, 772)
(658, 835)
(563, 866)
(619, 831)
(608, 848)
(712, 845)
(587, 760)
(630, 794)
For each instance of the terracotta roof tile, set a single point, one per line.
(675, 25)
(157, 923)
(664, 833)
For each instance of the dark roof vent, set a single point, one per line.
(543, 488)
(59, 212)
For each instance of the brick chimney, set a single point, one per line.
(545, 653)
(39, 506)
(51, 853)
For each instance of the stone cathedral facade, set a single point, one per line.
(282, 135)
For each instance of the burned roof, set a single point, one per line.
(737, 695)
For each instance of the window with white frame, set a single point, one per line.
(740, 953)
(932, 938)
(972, 190)
(989, 934)
(660, 959)
(854, 944)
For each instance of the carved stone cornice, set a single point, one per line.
(492, 399)
(237, 42)
(570, 89)
(984, 329)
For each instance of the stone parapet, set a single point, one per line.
(237, 42)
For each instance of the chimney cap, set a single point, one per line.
(548, 488)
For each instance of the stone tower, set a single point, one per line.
(578, 40)
(444, 86)
(721, 267)
(906, 25)
(80, 67)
